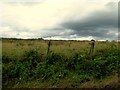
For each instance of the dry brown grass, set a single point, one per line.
(111, 81)
(68, 48)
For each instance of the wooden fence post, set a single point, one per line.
(48, 50)
(92, 48)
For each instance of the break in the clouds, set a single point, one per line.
(60, 20)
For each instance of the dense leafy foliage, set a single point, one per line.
(54, 67)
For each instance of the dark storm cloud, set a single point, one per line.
(100, 24)
(97, 24)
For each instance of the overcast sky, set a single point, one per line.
(76, 20)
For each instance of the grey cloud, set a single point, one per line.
(14, 27)
(55, 28)
(98, 24)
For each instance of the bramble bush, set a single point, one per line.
(55, 67)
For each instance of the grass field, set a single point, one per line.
(26, 64)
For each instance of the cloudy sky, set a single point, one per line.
(66, 20)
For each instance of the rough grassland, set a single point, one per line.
(25, 64)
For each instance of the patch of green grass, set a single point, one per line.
(25, 62)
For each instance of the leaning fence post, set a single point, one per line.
(92, 48)
(48, 50)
